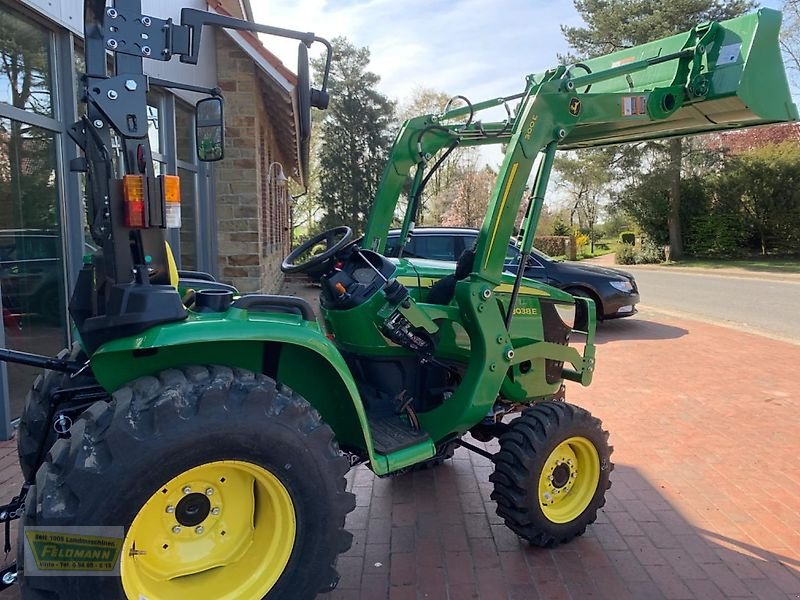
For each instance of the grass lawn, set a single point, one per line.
(761, 263)
(601, 247)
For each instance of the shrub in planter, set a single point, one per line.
(650, 253)
(625, 254)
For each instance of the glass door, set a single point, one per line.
(32, 267)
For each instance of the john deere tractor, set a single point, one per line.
(194, 442)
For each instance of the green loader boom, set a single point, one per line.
(717, 76)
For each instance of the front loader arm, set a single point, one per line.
(715, 77)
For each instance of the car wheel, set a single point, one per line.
(582, 293)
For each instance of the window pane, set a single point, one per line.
(184, 133)
(392, 246)
(78, 72)
(31, 256)
(436, 247)
(188, 219)
(512, 255)
(24, 64)
(154, 127)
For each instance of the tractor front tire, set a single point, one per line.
(224, 484)
(551, 473)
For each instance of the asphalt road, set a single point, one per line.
(767, 306)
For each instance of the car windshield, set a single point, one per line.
(542, 256)
(513, 254)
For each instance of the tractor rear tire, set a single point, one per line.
(234, 475)
(36, 435)
(551, 473)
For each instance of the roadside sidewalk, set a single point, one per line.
(607, 260)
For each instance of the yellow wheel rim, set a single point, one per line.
(569, 480)
(223, 531)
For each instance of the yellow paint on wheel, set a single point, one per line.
(569, 480)
(223, 530)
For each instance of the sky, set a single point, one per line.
(477, 48)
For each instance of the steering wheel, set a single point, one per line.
(290, 264)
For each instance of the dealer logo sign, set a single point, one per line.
(72, 550)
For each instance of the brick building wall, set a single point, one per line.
(252, 212)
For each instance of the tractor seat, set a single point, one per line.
(442, 291)
(291, 305)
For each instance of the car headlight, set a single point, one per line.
(622, 286)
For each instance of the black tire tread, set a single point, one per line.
(523, 449)
(144, 409)
(34, 432)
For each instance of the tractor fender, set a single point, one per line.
(293, 351)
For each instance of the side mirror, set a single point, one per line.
(306, 98)
(209, 132)
(303, 106)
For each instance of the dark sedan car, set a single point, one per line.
(614, 292)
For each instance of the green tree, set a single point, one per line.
(765, 182)
(615, 24)
(648, 202)
(560, 227)
(355, 137)
(585, 176)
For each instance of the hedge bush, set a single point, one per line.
(650, 253)
(625, 254)
(554, 245)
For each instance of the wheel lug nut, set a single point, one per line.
(209, 492)
(199, 529)
(215, 511)
(170, 509)
(176, 529)
(187, 490)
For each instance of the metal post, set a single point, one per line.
(69, 186)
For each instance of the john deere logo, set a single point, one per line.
(574, 107)
(66, 551)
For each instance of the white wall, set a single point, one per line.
(69, 14)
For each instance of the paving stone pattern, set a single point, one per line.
(705, 501)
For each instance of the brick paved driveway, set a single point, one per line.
(705, 501)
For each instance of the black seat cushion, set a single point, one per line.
(442, 291)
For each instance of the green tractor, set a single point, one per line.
(202, 437)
